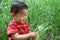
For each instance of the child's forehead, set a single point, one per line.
(23, 11)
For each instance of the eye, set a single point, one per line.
(23, 15)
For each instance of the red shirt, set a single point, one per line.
(14, 27)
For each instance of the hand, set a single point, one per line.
(33, 34)
(32, 39)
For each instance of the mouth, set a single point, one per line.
(22, 21)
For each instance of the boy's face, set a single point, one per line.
(21, 16)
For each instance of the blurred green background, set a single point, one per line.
(43, 17)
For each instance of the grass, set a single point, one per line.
(45, 13)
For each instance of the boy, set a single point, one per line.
(18, 28)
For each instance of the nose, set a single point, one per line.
(24, 17)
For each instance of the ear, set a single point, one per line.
(12, 14)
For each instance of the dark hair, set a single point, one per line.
(17, 5)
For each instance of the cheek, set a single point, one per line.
(18, 18)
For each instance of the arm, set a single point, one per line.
(20, 37)
(16, 36)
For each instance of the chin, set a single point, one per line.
(22, 22)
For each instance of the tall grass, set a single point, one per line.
(42, 13)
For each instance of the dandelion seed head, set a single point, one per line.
(40, 27)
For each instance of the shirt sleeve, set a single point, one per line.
(12, 29)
